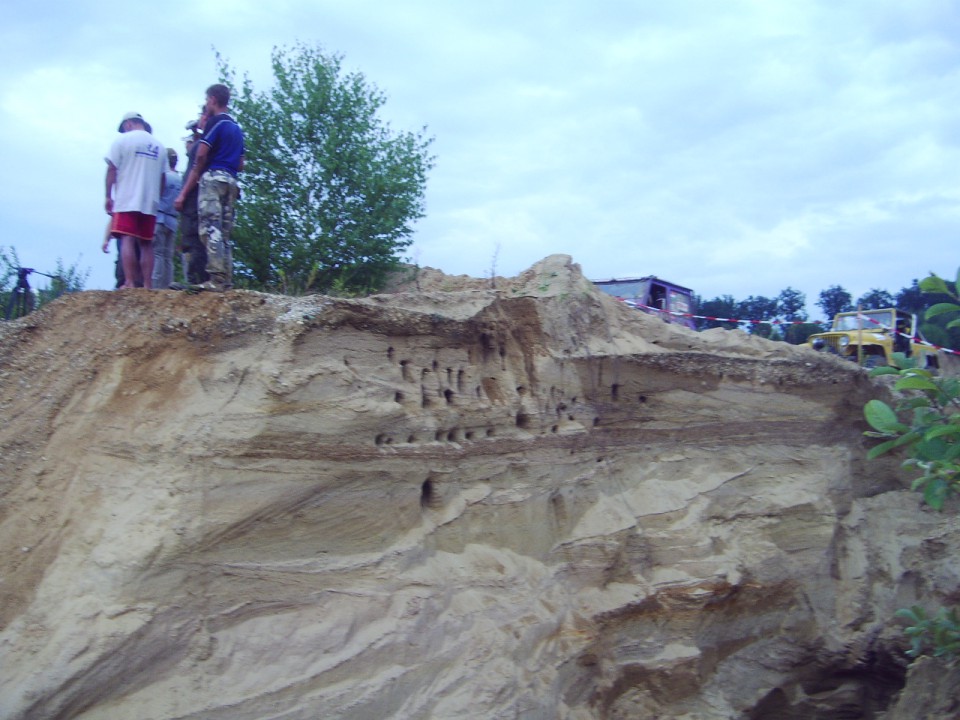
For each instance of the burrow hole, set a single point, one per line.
(559, 505)
(429, 495)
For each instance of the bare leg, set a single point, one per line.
(128, 258)
(146, 262)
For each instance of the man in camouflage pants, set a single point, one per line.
(219, 160)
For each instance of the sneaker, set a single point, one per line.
(211, 286)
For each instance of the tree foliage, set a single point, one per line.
(935, 328)
(724, 306)
(329, 192)
(912, 299)
(834, 300)
(790, 305)
(759, 308)
(875, 299)
(926, 423)
(779, 318)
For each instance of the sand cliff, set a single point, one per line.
(520, 501)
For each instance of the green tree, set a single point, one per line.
(790, 307)
(723, 307)
(790, 304)
(912, 299)
(834, 300)
(758, 308)
(876, 299)
(330, 192)
(64, 280)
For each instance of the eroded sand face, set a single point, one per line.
(460, 501)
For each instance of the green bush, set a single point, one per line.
(940, 632)
(926, 423)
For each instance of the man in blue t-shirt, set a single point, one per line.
(220, 158)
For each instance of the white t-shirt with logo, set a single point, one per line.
(140, 161)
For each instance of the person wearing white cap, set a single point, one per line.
(135, 168)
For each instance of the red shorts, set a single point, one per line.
(134, 224)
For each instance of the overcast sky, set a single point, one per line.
(735, 147)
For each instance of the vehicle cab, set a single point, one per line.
(870, 337)
(673, 303)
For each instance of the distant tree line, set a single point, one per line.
(787, 319)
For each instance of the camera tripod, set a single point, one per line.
(21, 296)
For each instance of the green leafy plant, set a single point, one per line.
(939, 633)
(936, 285)
(926, 423)
(930, 428)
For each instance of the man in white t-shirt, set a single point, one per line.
(135, 169)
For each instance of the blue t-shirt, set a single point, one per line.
(225, 139)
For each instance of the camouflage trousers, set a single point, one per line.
(215, 210)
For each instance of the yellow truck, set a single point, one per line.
(870, 337)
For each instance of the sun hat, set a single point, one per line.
(131, 116)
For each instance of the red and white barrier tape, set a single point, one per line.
(917, 340)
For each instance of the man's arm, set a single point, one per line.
(199, 165)
(111, 180)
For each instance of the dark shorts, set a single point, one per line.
(134, 224)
